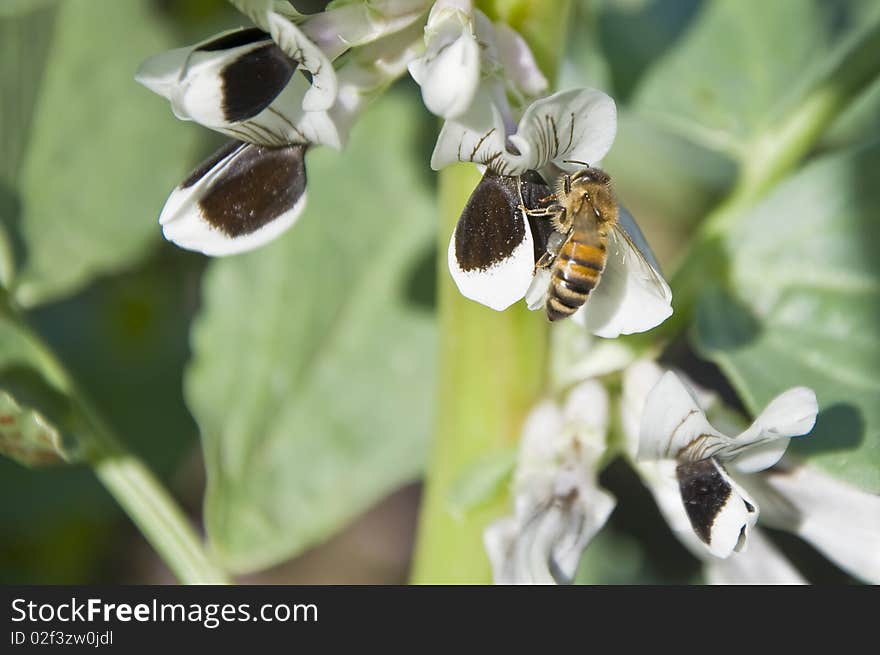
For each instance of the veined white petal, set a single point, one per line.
(491, 256)
(791, 414)
(840, 520)
(632, 295)
(760, 564)
(721, 512)
(241, 84)
(673, 426)
(543, 542)
(241, 198)
(477, 136)
(568, 126)
(518, 61)
(270, 17)
(337, 29)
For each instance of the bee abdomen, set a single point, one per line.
(576, 272)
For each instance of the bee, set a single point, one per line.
(584, 213)
(518, 237)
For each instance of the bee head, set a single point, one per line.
(589, 177)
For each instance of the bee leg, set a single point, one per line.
(545, 261)
(539, 212)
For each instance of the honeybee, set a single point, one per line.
(518, 237)
(584, 212)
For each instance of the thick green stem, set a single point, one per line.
(772, 155)
(493, 365)
(129, 481)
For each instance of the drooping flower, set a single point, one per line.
(558, 505)
(674, 428)
(275, 90)
(841, 521)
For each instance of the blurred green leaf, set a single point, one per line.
(18, 7)
(28, 437)
(102, 153)
(481, 481)
(313, 366)
(735, 68)
(634, 34)
(804, 308)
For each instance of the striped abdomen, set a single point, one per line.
(576, 270)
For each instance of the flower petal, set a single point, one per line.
(720, 511)
(338, 29)
(638, 380)
(519, 63)
(491, 256)
(543, 542)
(632, 295)
(840, 520)
(761, 564)
(476, 136)
(239, 199)
(270, 17)
(569, 128)
(673, 426)
(586, 409)
(791, 414)
(241, 84)
(449, 71)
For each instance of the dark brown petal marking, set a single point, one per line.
(234, 40)
(254, 80)
(258, 186)
(704, 491)
(491, 226)
(210, 163)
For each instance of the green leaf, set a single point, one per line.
(803, 308)
(28, 437)
(313, 367)
(481, 481)
(102, 153)
(734, 69)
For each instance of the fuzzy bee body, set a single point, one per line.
(585, 212)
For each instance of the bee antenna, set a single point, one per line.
(575, 161)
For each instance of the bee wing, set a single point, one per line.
(491, 252)
(632, 295)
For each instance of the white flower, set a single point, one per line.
(274, 90)
(558, 505)
(449, 71)
(674, 427)
(492, 255)
(468, 60)
(839, 520)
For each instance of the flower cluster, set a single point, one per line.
(712, 489)
(298, 81)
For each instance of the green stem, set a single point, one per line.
(127, 478)
(493, 365)
(771, 156)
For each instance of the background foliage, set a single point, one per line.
(308, 367)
